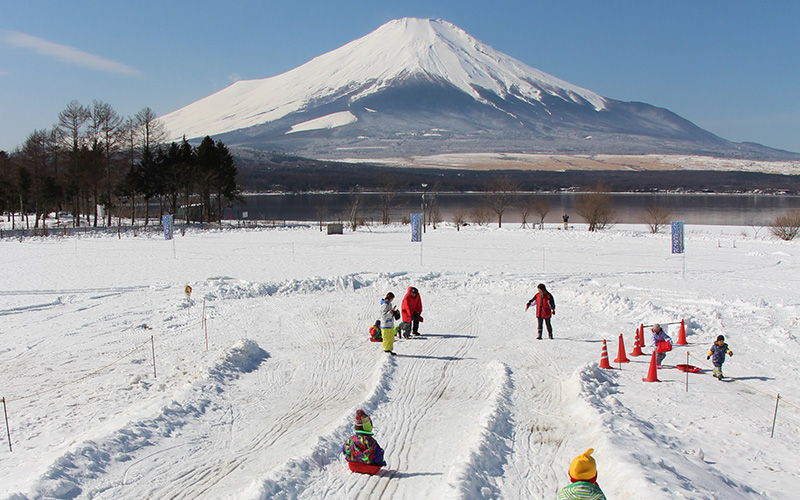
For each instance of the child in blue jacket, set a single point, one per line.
(717, 352)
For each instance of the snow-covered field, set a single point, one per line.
(477, 408)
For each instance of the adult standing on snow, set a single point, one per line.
(412, 309)
(389, 313)
(545, 309)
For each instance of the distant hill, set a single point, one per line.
(417, 87)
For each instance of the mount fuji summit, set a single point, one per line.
(424, 87)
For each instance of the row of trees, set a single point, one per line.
(93, 157)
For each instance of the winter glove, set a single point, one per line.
(420, 319)
(730, 354)
(527, 306)
(708, 357)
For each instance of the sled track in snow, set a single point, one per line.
(411, 408)
(318, 392)
(540, 424)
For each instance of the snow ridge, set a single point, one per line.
(226, 290)
(88, 460)
(477, 477)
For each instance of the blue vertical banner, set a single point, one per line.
(166, 220)
(677, 237)
(416, 227)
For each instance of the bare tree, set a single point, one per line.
(757, 226)
(786, 226)
(150, 129)
(480, 215)
(320, 212)
(525, 209)
(72, 121)
(500, 194)
(432, 204)
(355, 207)
(387, 198)
(595, 206)
(108, 130)
(459, 218)
(541, 207)
(656, 218)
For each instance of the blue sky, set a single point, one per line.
(731, 67)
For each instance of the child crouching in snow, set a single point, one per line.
(362, 452)
(718, 351)
(583, 474)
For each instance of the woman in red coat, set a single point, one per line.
(545, 308)
(412, 309)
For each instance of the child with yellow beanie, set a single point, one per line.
(583, 474)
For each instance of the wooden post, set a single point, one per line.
(8, 429)
(687, 372)
(777, 400)
(153, 345)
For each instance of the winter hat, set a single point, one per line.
(583, 468)
(363, 423)
(721, 338)
(656, 327)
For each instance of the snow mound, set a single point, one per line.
(243, 357)
(89, 459)
(248, 290)
(477, 476)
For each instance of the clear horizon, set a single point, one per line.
(727, 67)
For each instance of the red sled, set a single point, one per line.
(364, 468)
(689, 368)
(663, 346)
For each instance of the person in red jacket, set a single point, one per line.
(545, 308)
(411, 309)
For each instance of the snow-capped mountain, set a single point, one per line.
(421, 86)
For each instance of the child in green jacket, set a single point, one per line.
(583, 474)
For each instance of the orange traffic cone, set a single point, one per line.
(642, 343)
(682, 334)
(621, 358)
(604, 358)
(652, 374)
(637, 347)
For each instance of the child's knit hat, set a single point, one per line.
(583, 468)
(363, 423)
(721, 338)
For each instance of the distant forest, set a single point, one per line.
(276, 172)
(94, 158)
